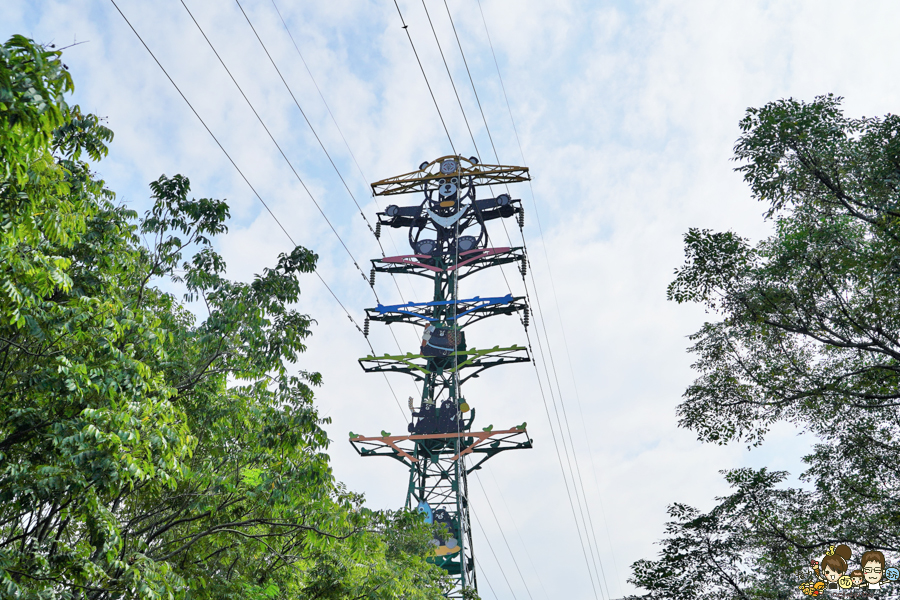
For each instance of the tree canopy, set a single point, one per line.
(808, 333)
(145, 452)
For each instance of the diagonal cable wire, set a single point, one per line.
(472, 81)
(486, 580)
(250, 185)
(305, 118)
(338, 127)
(559, 315)
(502, 572)
(447, 67)
(274, 141)
(322, 96)
(594, 548)
(322, 146)
(286, 159)
(558, 454)
(518, 533)
(585, 520)
(421, 68)
(505, 541)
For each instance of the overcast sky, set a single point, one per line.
(627, 113)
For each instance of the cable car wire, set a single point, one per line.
(337, 126)
(556, 298)
(305, 118)
(516, 528)
(594, 548)
(571, 438)
(321, 95)
(319, 140)
(274, 141)
(558, 454)
(286, 159)
(449, 76)
(505, 541)
(576, 470)
(422, 69)
(483, 574)
(472, 81)
(502, 572)
(250, 185)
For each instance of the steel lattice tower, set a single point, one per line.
(449, 238)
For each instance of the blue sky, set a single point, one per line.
(627, 113)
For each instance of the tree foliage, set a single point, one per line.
(144, 453)
(808, 334)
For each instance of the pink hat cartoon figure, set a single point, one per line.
(872, 563)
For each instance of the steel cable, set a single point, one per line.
(250, 185)
(559, 315)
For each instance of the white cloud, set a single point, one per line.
(627, 113)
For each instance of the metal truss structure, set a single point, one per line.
(448, 236)
(430, 172)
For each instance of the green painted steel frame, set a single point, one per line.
(473, 358)
(511, 255)
(418, 181)
(437, 470)
(516, 306)
(435, 447)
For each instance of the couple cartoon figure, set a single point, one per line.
(871, 575)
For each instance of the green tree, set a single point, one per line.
(808, 335)
(144, 453)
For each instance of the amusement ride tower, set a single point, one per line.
(449, 238)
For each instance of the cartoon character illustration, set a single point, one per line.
(439, 517)
(857, 577)
(448, 421)
(872, 563)
(815, 587)
(427, 419)
(812, 589)
(426, 335)
(814, 565)
(446, 543)
(834, 565)
(892, 574)
(430, 419)
(425, 509)
(441, 340)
